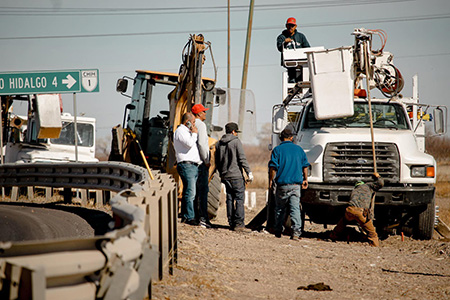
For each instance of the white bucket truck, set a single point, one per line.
(46, 134)
(329, 109)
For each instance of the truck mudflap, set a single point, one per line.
(325, 204)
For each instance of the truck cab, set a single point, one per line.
(30, 149)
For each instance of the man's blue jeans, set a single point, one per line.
(188, 173)
(288, 195)
(235, 201)
(202, 191)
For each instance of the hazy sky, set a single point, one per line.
(118, 37)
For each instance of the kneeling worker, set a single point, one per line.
(359, 210)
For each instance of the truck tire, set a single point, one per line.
(425, 222)
(214, 196)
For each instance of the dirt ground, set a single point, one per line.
(221, 264)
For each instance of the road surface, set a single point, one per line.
(26, 223)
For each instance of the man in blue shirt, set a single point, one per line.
(288, 168)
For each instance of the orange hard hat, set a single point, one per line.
(291, 20)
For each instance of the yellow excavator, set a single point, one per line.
(158, 101)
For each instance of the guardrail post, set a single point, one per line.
(173, 217)
(30, 192)
(14, 193)
(84, 197)
(48, 193)
(21, 282)
(99, 199)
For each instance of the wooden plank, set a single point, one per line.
(443, 229)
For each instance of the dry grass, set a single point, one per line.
(258, 157)
(439, 148)
(443, 191)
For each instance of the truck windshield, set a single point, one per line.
(384, 115)
(85, 135)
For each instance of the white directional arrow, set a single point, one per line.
(70, 81)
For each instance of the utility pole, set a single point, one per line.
(229, 64)
(245, 69)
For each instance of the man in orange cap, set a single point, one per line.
(290, 38)
(199, 112)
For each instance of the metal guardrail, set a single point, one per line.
(117, 265)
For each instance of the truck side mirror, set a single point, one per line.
(122, 85)
(439, 121)
(279, 116)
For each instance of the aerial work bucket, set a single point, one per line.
(331, 78)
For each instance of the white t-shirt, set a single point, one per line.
(185, 144)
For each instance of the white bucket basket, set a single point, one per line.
(293, 58)
(331, 77)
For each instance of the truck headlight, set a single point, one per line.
(422, 171)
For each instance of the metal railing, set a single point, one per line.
(117, 265)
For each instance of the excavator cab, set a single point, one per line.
(153, 114)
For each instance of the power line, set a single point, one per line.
(173, 70)
(422, 55)
(39, 11)
(342, 23)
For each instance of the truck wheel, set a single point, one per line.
(214, 196)
(425, 223)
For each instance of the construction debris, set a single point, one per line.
(315, 287)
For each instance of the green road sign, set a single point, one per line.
(49, 82)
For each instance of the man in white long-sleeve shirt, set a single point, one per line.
(188, 159)
(199, 112)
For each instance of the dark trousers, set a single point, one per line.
(202, 191)
(295, 74)
(235, 201)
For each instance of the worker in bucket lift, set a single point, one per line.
(290, 38)
(360, 210)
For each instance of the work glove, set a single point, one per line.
(250, 177)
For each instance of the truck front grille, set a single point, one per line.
(352, 161)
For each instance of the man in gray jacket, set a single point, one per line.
(230, 160)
